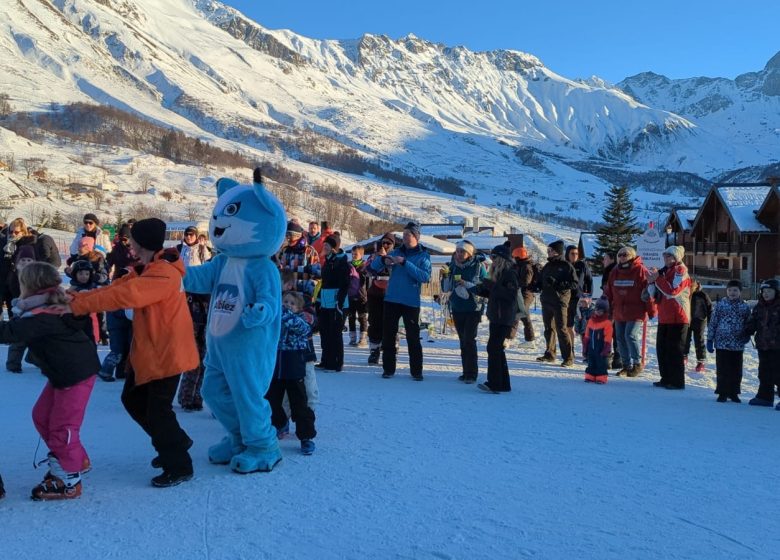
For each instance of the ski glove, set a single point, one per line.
(710, 346)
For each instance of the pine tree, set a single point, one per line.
(619, 227)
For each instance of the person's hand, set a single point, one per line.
(710, 346)
(445, 271)
(389, 261)
(400, 260)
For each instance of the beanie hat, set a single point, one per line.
(334, 240)
(771, 284)
(414, 229)
(676, 251)
(191, 229)
(734, 284)
(557, 246)
(24, 252)
(603, 305)
(294, 227)
(80, 265)
(466, 246)
(91, 218)
(87, 242)
(501, 251)
(520, 252)
(124, 231)
(149, 234)
(387, 237)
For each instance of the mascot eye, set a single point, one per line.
(232, 208)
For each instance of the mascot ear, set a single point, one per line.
(224, 185)
(260, 191)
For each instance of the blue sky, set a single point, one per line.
(611, 39)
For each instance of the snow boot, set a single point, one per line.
(634, 370)
(223, 452)
(485, 387)
(722, 398)
(157, 464)
(546, 358)
(374, 354)
(735, 398)
(755, 401)
(283, 431)
(307, 446)
(171, 478)
(363, 341)
(57, 484)
(700, 367)
(353, 338)
(253, 460)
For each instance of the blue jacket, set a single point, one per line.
(472, 272)
(406, 279)
(727, 323)
(293, 346)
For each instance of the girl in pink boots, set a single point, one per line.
(68, 358)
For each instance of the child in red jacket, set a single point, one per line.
(597, 343)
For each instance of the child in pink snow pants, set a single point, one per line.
(67, 354)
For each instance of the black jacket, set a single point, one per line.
(60, 343)
(45, 251)
(502, 297)
(605, 275)
(701, 305)
(558, 280)
(335, 276)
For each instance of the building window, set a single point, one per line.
(722, 264)
(744, 263)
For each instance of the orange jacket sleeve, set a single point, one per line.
(128, 293)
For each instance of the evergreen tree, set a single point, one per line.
(58, 222)
(619, 224)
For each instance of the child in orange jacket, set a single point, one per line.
(597, 343)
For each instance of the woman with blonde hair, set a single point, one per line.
(503, 310)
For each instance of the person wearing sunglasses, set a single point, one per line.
(91, 228)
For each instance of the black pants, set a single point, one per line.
(768, 374)
(302, 415)
(376, 312)
(150, 405)
(528, 328)
(498, 370)
(728, 371)
(466, 324)
(331, 340)
(411, 316)
(555, 317)
(696, 332)
(615, 359)
(669, 347)
(357, 310)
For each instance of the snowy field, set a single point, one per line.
(556, 469)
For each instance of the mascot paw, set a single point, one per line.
(255, 460)
(224, 451)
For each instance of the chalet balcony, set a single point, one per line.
(717, 273)
(718, 248)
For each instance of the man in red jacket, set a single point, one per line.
(671, 289)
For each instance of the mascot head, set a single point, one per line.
(248, 221)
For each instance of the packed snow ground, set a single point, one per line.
(556, 469)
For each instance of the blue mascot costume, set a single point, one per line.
(247, 228)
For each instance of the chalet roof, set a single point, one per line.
(686, 217)
(485, 242)
(589, 242)
(453, 230)
(774, 191)
(742, 203)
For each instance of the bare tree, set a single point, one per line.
(5, 105)
(97, 198)
(144, 181)
(32, 165)
(193, 212)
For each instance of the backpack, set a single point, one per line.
(353, 292)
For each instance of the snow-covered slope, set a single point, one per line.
(495, 121)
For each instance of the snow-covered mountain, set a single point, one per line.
(502, 125)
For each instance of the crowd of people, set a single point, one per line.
(126, 291)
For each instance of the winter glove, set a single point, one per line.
(445, 271)
(710, 346)
(607, 350)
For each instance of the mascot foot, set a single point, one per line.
(224, 451)
(256, 460)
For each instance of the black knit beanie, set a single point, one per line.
(149, 234)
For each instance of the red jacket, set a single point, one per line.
(624, 292)
(672, 292)
(320, 242)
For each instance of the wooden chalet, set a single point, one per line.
(728, 241)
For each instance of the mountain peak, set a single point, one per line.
(774, 63)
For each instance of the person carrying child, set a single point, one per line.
(597, 343)
(68, 358)
(764, 322)
(290, 371)
(725, 338)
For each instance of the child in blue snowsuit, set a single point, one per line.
(597, 343)
(725, 338)
(289, 373)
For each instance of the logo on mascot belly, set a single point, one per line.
(226, 309)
